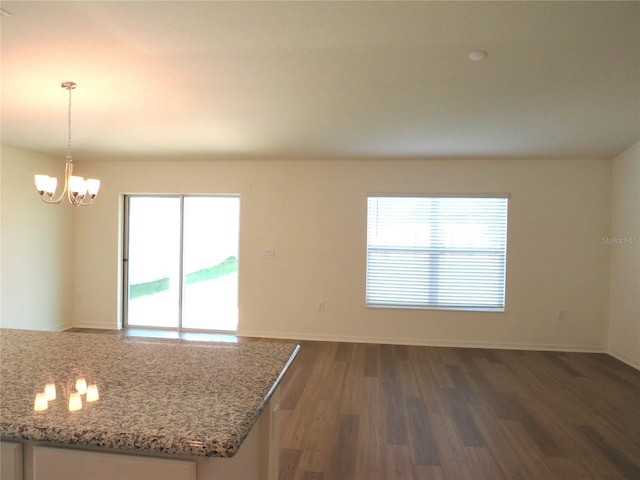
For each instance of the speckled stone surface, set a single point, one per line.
(166, 396)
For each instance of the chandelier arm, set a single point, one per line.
(77, 200)
(52, 202)
(67, 181)
(67, 173)
(80, 201)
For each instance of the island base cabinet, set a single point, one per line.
(11, 461)
(50, 463)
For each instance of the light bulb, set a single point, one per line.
(78, 186)
(41, 402)
(93, 186)
(46, 184)
(42, 182)
(81, 385)
(52, 183)
(92, 393)
(75, 402)
(50, 391)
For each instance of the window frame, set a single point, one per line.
(432, 304)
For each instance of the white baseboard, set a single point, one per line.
(425, 342)
(99, 325)
(54, 327)
(49, 327)
(625, 359)
(62, 328)
(411, 341)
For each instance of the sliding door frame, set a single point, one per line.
(125, 262)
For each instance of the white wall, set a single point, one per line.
(35, 250)
(313, 213)
(624, 242)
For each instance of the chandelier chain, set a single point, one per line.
(69, 126)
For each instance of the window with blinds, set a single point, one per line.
(436, 252)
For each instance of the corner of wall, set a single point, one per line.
(623, 333)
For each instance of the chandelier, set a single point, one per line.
(79, 191)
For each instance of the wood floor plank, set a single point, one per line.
(343, 351)
(628, 468)
(310, 476)
(506, 457)
(426, 472)
(616, 370)
(483, 462)
(372, 360)
(342, 463)
(534, 424)
(559, 360)
(407, 377)
(463, 418)
(398, 463)
(485, 385)
(320, 442)
(334, 390)
(297, 378)
(435, 360)
(422, 442)
(396, 426)
(531, 458)
(460, 379)
(450, 449)
(558, 410)
(371, 436)
(430, 388)
(604, 411)
(295, 433)
(614, 380)
(289, 460)
(564, 468)
(351, 394)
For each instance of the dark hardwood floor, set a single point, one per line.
(362, 411)
(358, 411)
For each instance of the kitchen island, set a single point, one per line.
(132, 404)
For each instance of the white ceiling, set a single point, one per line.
(204, 79)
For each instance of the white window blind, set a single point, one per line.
(436, 252)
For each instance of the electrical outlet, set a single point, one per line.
(561, 315)
(321, 306)
(268, 252)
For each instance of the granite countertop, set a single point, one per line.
(166, 396)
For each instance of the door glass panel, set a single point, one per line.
(210, 256)
(153, 262)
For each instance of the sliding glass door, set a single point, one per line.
(153, 261)
(181, 262)
(210, 259)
